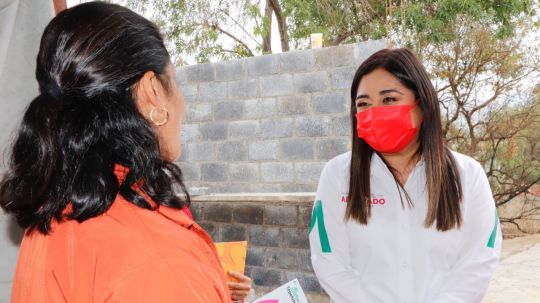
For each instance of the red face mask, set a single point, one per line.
(387, 129)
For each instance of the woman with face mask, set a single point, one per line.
(402, 218)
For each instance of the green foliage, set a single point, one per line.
(202, 30)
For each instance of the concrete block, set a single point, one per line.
(342, 77)
(297, 61)
(204, 151)
(183, 152)
(304, 216)
(244, 172)
(308, 172)
(250, 214)
(218, 212)
(191, 171)
(330, 103)
(260, 108)
(181, 76)
(262, 65)
(189, 132)
(264, 236)
(294, 105)
(299, 188)
(232, 151)
(297, 149)
(282, 258)
(323, 57)
(364, 50)
(256, 256)
(295, 238)
(276, 85)
(277, 172)
(343, 55)
(341, 126)
(229, 110)
(244, 129)
(230, 70)
(313, 126)
(214, 172)
(213, 131)
(212, 229)
(277, 128)
(266, 277)
(264, 150)
(243, 89)
(198, 73)
(329, 148)
(304, 261)
(280, 215)
(212, 91)
(190, 92)
(198, 112)
(230, 187)
(233, 232)
(197, 210)
(266, 188)
(311, 82)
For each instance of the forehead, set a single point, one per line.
(379, 79)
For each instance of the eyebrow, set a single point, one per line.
(382, 92)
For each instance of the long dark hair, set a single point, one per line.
(85, 121)
(443, 181)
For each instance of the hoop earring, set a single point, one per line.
(159, 123)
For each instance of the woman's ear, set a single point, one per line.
(149, 93)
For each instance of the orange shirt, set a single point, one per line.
(128, 254)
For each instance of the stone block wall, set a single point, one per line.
(267, 123)
(276, 227)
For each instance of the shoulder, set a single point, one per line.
(467, 165)
(338, 164)
(464, 160)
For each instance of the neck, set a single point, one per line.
(403, 162)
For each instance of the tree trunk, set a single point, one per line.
(282, 25)
(267, 37)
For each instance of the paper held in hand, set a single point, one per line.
(232, 256)
(288, 293)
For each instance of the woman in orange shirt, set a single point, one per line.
(92, 177)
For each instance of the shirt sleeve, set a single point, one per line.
(481, 244)
(157, 282)
(330, 247)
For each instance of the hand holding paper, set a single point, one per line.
(233, 257)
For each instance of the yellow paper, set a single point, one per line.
(232, 256)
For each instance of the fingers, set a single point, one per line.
(239, 295)
(240, 277)
(239, 290)
(239, 286)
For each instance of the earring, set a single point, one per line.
(162, 122)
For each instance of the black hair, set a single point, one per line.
(85, 122)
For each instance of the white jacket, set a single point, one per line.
(395, 258)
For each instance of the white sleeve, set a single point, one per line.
(330, 247)
(481, 244)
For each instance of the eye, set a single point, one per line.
(361, 104)
(388, 100)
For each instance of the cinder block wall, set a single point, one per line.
(267, 123)
(276, 227)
